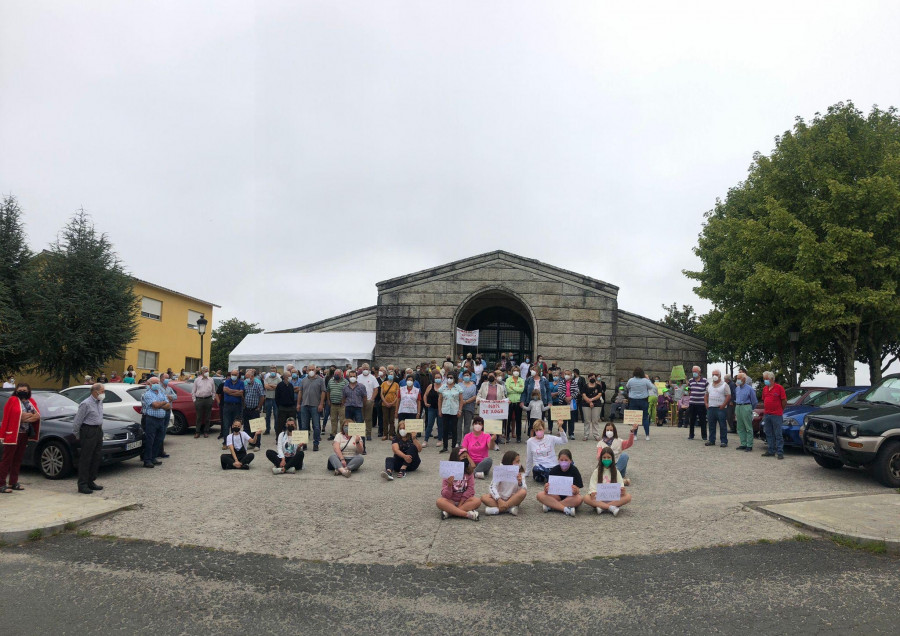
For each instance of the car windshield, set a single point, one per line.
(829, 398)
(794, 394)
(55, 405)
(887, 391)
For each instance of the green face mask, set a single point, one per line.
(607, 462)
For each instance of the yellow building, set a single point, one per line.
(166, 336)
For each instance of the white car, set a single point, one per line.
(120, 400)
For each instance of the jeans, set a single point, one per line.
(311, 414)
(744, 413)
(153, 429)
(697, 412)
(353, 463)
(230, 410)
(514, 423)
(484, 466)
(354, 413)
(772, 428)
(622, 463)
(642, 405)
(271, 413)
(431, 416)
(720, 415)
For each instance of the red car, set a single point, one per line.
(796, 395)
(184, 414)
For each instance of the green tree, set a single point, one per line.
(81, 305)
(684, 319)
(811, 237)
(14, 257)
(225, 338)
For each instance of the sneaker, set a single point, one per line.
(473, 515)
(315, 447)
(514, 511)
(768, 454)
(424, 444)
(584, 439)
(614, 510)
(401, 474)
(331, 438)
(723, 445)
(572, 437)
(291, 470)
(492, 510)
(479, 475)
(749, 449)
(387, 475)
(742, 447)
(545, 507)
(276, 470)
(646, 438)
(444, 515)
(570, 512)
(496, 448)
(443, 450)
(600, 511)
(780, 455)
(710, 444)
(345, 472)
(627, 481)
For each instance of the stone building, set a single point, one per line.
(519, 305)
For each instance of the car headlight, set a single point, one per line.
(791, 422)
(852, 430)
(108, 437)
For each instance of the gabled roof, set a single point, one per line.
(501, 255)
(172, 291)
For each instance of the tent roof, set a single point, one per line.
(269, 348)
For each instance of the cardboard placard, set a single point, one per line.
(452, 469)
(508, 474)
(414, 426)
(560, 485)
(356, 428)
(560, 412)
(258, 425)
(677, 372)
(494, 409)
(493, 427)
(608, 492)
(634, 417)
(300, 437)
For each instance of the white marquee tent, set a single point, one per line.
(260, 350)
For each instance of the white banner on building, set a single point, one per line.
(467, 338)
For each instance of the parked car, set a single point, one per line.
(56, 451)
(795, 416)
(862, 433)
(796, 396)
(184, 413)
(120, 399)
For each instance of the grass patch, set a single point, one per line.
(802, 538)
(3, 544)
(765, 542)
(70, 525)
(83, 533)
(35, 535)
(873, 547)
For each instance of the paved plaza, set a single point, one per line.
(686, 496)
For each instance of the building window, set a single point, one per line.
(148, 359)
(151, 308)
(193, 317)
(192, 365)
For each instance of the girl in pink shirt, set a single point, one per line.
(479, 445)
(458, 496)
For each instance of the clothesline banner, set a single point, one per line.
(467, 338)
(493, 409)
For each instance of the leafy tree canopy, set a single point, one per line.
(225, 338)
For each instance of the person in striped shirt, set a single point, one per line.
(697, 408)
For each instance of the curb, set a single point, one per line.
(22, 535)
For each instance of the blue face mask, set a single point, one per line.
(165, 383)
(438, 380)
(294, 376)
(696, 374)
(768, 382)
(527, 360)
(390, 376)
(466, 378)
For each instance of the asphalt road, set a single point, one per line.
(82, 585)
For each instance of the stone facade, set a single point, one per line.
(574, 320)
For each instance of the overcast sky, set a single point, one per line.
(343, 143)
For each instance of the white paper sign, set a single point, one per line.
(453, 469)
(608, 492)
(633, 417)
(494, 409)
(508, 474)
(560, 485)
(467, 338)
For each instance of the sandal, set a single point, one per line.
(17, 486)
(5, 489)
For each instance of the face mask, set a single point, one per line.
(101, 396)
(401, 432)
(271, 374)
(409, 383)
(156, 387)
(607, 462)
(533, 374)
(234, 378)
(715, 378)
(380, 374)
(311, 374)
(768, 382)
(345, 429)
(568, 377)
(491, 378)
(539, 434)
(467, 378)
(565, 465)
(206, 374)
(527, 360)
(739, 382)
(24, 395)
(352, 380)
(165, 383)
(450, 380)
(695, 374)
(390, 376)
(516, 374)
(365, 372)
(235, 429)
(609, 433)
(338, 376)
(438, 380)
(290, 428)
(476, 428)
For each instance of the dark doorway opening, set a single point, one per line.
(501, 330)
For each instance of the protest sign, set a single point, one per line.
(560, 485)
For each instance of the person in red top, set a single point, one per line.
(774, 401)
(21, 422)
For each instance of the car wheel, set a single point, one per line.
(179, 424)
(54, 460)
(886, 467)
(828, 462)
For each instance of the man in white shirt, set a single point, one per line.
(523, 368)
(369, 381)
(10, 383)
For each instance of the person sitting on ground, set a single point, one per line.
(611, 440)
(458, 496)
(406, 454)
(540, 454)
(479, 444)
(348, 450)
(606, 473)
(237, 443)
(289, 457)
(565, 467)
(507, 496)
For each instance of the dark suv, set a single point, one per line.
(862, 433)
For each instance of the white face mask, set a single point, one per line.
(476, 428)
(715, 378)
(568, 377)
(533, 373)
(206, 374)
(409, 383)
(516, 374)
(402, 432)
(311, 374)
(609, 433)
(352, 380)
(449, 380)
(365, 372)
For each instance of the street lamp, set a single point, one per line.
(201, 329)
(794, 335)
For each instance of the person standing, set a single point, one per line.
(390, 398)
(286, 401)
(311, 403)
(568, 395)
(270, 384)
(254, 401)
(468, 397)
(88, 430)
(536, 381)
(592, 400)
(368, 381)
(697, 405)
(744, 403)
(353, 398)
(21, 422)
(202, 391)
(732, 418)
(525, 367)
(335, 387)
(430, 406)
(774, 401)
(639, 389)
(233, 400)
(154, 405)
(717, 398)
(515, 386)
(450, 407)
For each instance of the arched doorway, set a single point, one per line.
(504, 323)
